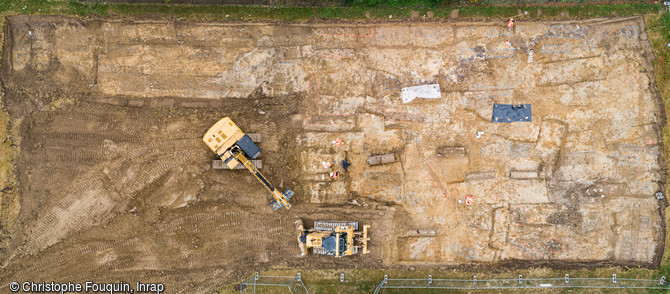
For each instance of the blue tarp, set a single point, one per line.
(507, 113)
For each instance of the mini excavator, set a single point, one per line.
(234, 147)
(335, 238)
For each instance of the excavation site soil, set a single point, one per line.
(116, 184)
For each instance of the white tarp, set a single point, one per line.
(425, 91)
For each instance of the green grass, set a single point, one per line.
(658, 29)
(310, 14)
(396, 3)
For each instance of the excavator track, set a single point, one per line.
(330, 225)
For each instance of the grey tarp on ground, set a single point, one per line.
(507, 113)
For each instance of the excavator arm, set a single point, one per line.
(281, 199)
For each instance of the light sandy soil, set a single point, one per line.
(115, 183)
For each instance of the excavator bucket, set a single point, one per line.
(287, 195)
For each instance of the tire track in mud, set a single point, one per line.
(52, 263)
(88, 207)
(110, 188)
(97, 139)
(235, 237)
(88, 157)
(237, 226)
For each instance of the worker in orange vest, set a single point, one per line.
(510, 24)
(469, 199)
(334, 175)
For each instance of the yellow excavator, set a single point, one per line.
(335, 238)
(234, 147)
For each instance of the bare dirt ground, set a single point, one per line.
(115, 183)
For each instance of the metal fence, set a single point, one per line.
(520, 283)
(293, 284)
